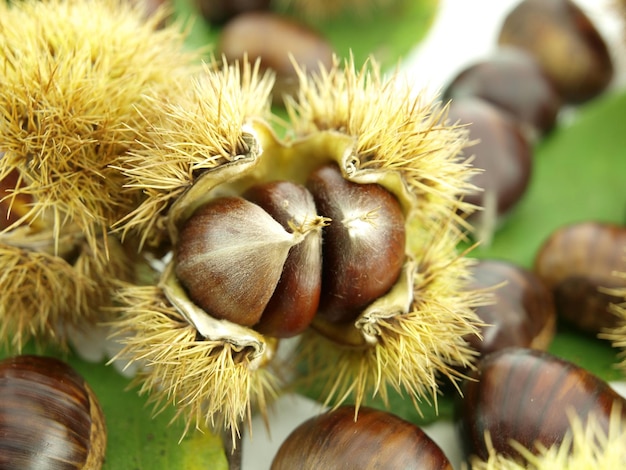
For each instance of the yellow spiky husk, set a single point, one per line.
(80, 80)
(395, 130)
(375, 125)
(200, 131)
(45, 294)
(617, 334)
(415, 350)
(209, 383)
(587, 446)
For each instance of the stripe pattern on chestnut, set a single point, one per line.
(50, 416)
(526, 396)
(282, 253)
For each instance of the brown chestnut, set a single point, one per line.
(49, 416)
(220, 11)
(565, 42)
(522, 313)
(364, 244)
(512, 80)
(374, 439)
(528, 396)
(277, 41)
(504, 154)
(230, 257)
(296, 297)
(579, 263)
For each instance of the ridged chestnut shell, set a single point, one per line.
(49, 417)
(580, 263)
(526, 395)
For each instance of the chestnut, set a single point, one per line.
(364, 244)
(566, 44)
(579, 262)
(522, 312)
(512, 80)
(503, 152)
(528, 396)
(221, 11)
(50, 417)
(230, 257)
(374, 439)
(279, 42)
(294, 302)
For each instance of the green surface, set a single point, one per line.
(578, 176)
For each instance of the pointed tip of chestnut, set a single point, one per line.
(296, 298)
(230, 257)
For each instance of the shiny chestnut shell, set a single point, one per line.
(363, 248)
(373, 440)
(512, 80)
(230, 257)
(501, 150)
(49, 416)
(522, 313)
(295, 300)
(578, 262)
(565, 42)
(525, 395)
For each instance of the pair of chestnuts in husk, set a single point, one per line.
(282, 252)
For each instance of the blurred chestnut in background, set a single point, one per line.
(220, 11)
(275, 40)
(512, 80)
(504, 153)
(373, 439)
(566, 44)
(527, 396)
(579, 263)
(522, 313)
